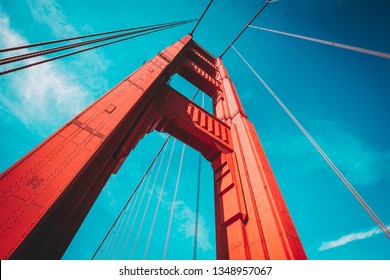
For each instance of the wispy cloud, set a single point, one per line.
(45, 96)
(184, 216)
(50, 13)
(89, 64)
(361, 235)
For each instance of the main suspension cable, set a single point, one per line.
(246, 26)
(83, 50)
(21, 57)
(362, 202)
(201, 17)
(79, 37)
(325, 42)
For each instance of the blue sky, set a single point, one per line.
(341, 97)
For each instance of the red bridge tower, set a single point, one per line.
(45, 196)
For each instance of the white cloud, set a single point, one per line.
(361, 235)
(45, 96)
(41, 97)
(89, 64)
(184, 216)
(50, 13)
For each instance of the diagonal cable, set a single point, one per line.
(362, 202)
(325, 42)
(80, 44)
(80, 51)
(245, 28)
(79, 37)
(201, 17)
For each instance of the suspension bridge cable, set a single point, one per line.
(104, 249)
(136, 213)
(325, 42)
(159, 202)
(173, 203)
(150, 196)
(201, 17)
(139, 207)
(77, 38)
(116, 233)
(21, 57)
(246, 26)
(80, 51)
(197, 209)
(146, 207)
(197, 202)
(75, 52)
(123, 219)
(370, 212)
(131, 196)
(105, 253)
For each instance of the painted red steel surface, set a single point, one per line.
(45, 196)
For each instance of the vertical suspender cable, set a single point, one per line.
(121, 222)
(173, 203)
(197, 201)
(136, 213)
(104, 250)
(147, 204)
(146, 207)
(197, 210)
(119, 226)
(159, 201)
(130, 198)
(370, 212)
